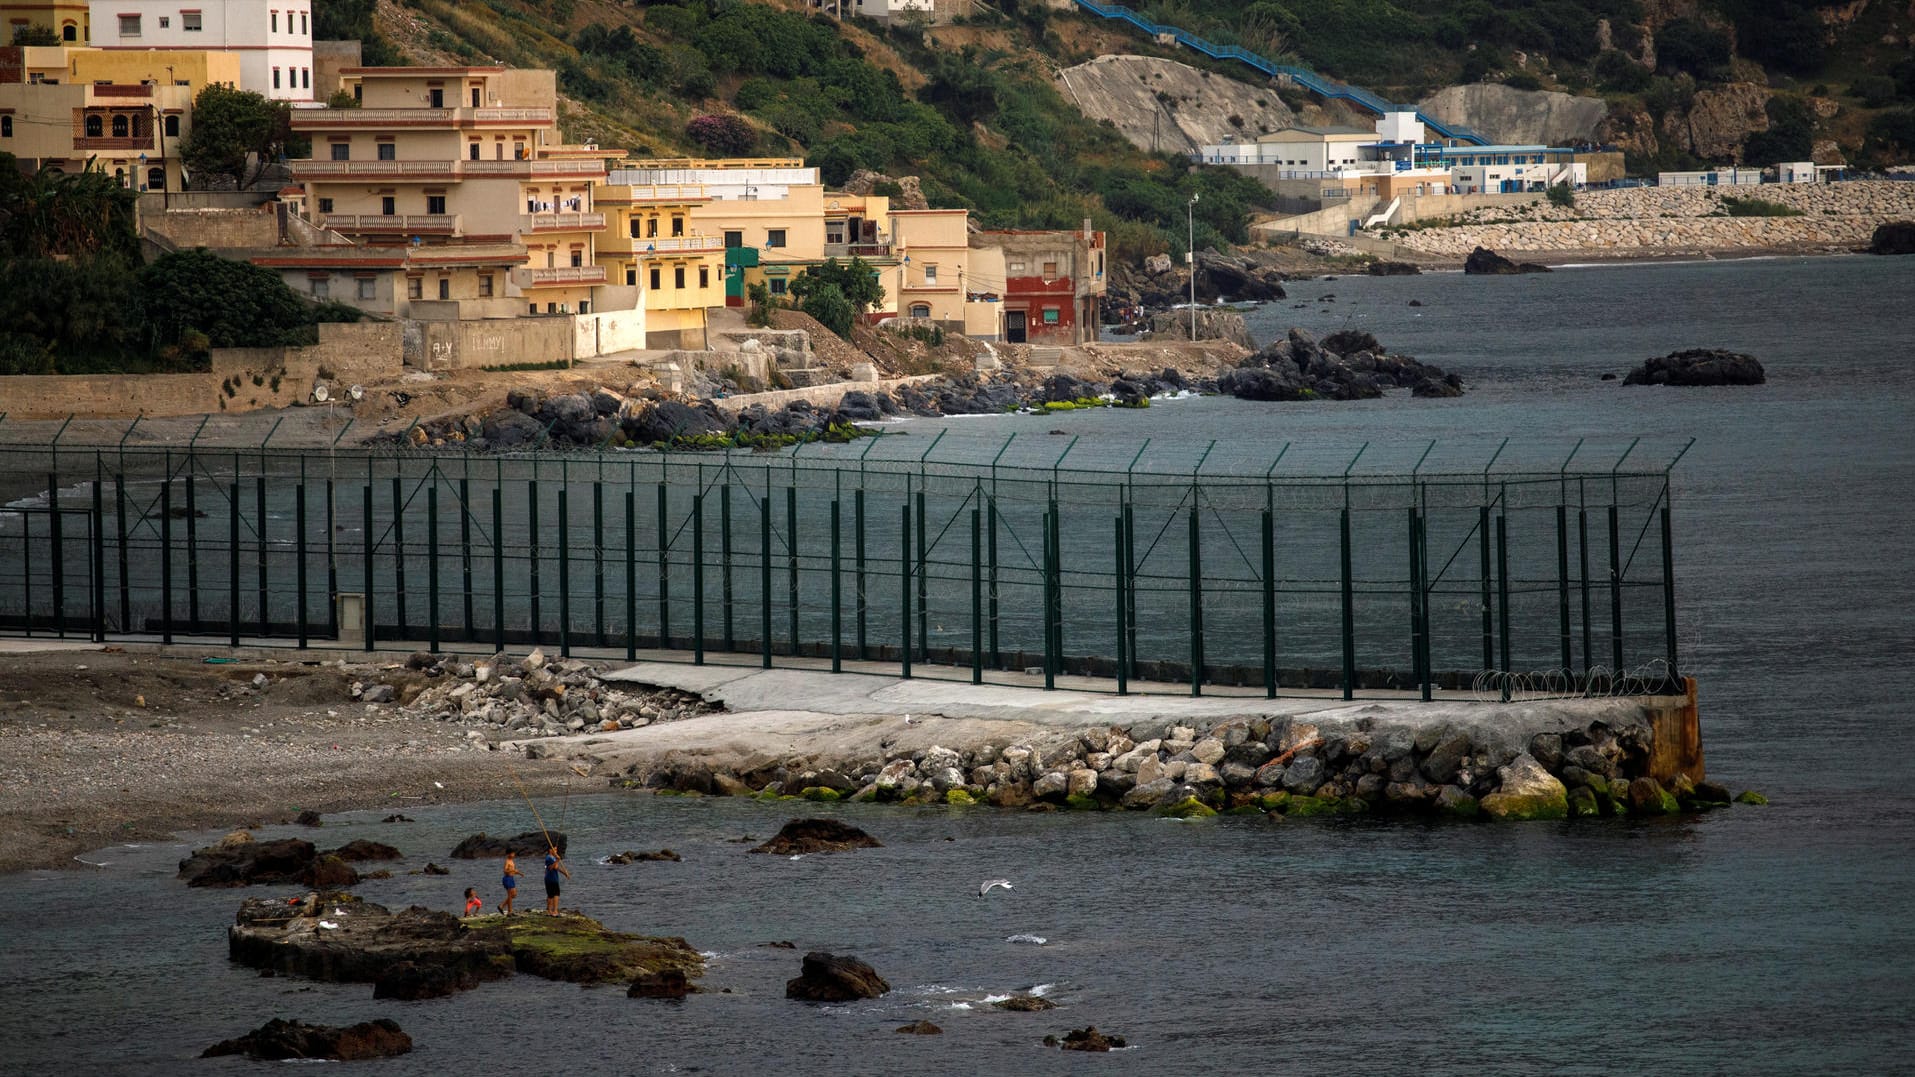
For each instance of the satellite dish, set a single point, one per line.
(356, 392)
(321, 393)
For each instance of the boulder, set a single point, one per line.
(671, 420)
(1149, 794)
(411, 981)
(921, 1028)
(279, 1039)
(1303, 774)
(578, 949)
(1698, 366)
(1444, 760)
(666, 983)
(366, 850)
(310, 817)
(1526, 791)
(1893, 237)
(328, 872)
(1648, 797)
(530, 843)
(630, 857)
(1025, 1004)
(286, 860)
(1088, 1039)
(817, 836)
(1485, 262)
(835, 978)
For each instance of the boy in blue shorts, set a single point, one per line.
(511, 882)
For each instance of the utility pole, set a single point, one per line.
(1190, 259)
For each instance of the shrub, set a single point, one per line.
(829, 306)
(1561, 194)
(1875, 91)
(722, 134)
(1756, 207)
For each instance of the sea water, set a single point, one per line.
(1755, 940)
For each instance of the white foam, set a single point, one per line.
(990, 1000)
(1035, 940)
(1042, 989)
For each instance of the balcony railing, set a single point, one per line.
(557, 276)
(413, 224)
(346, 169)
(135, 90)
(561, 222)
(136, 142)
(663, 192)
(677, 245)
(322, 119)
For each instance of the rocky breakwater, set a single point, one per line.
(1348, 365)
(1649, 220)
(423, 953)
(1501, 763)
(532, 419)
(532, 696)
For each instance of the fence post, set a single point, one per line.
(791, 561)
(259, 534)
(1669, 590)
(119, 527)
(1269, 537)
(192, 550)
(1050, 620)
(332, 567)
(631, 575)
(97, 527)
(1416, 611)
(532, 556)
(398, 557)
(990, 540)
(59, 551)
(1615, 590)
(598, 562)
(1502, 594)
(837, 597)
(977, 594)
(565, 569)
(1117, 591)
(1349, 610)
(1562, 583)
(465, 554)
(232, 565)
(904, 588)
(299, 567)
(498, 565)
(166, 558)
(857, 560)
(1130, 583)
(698, 578)
(724, 562)
(1582, 554)
(1482, 545)
(1196, 599)
(924, 583)
(664, 570)
(366, 570)
(764, 577)
(1423, 600)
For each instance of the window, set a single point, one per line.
(1050, 315)
(631, 277)
(367, 288)
(69, 32)
(325, 205)
(585, 306)
(445, 288)
(531, 308)
(386, 206)
(322, 288)
(275, 78)
(920, 310)
(172, 127)
(437, 96)
(655, 278)
(275, 22)
(777, 285)
(930, 274)
(704, 276)
(119, 127)
(475, 97)
(435, 203)
(518, 151)
(472, 152)
(485, 285)
(95, 127)
(165, 22)
(1050, 270)
(305, 78)
(1014, 267)
(651, 228)
(734, 239)
(678, 226)
(156, 179)
(129, 26)
(578, 258)
(415, 287)
(834, 234)
(388, 152)
(302, 23)
(358, 93)
(551, 308)
(634, 228)
(6, 126)
(678, 277)
(774, 237)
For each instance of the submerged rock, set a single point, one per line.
(249, 863)
(1085, 1039)
(921, 1028)
(279, 1039)
(817, 836)
(1698, 366)
(835, 978)
(665, 983)
(1025, 1004)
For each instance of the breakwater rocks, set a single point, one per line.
(1698, 366)
(1348, 365)
(1497, 766)
(1483, 262)
(529, 697)
(1673, 219)
(1895, 237)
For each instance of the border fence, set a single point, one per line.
(1458, 566)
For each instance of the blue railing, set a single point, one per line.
(1302, 76)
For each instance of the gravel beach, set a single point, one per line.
(104, 745)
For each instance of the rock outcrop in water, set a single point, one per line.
(238, 860)
(1349, 365)
(835, 978)
(1894, 237)
(530, 843)
(1485, 262)
(1698, 366)
(801, 836)
(280, 1040)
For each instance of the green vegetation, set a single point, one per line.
(835, 293)
(1561, 194)
(31, 36)
(834, 433)
(552, 364)
(237, 133)
(1756, 207)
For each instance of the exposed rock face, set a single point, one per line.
(629, 857)
(835, 978)
(530, 843)
(1518, 117)
(364, 943)
(1025, 1004)
(1527, 791)
(362, 849)
(411, 981)
(921, 1028)
(1087, 1039)
(818, 836)
(667, 983)
(1382, 268)
(1193, 111)
(288, 860)
(1719, 120)
(1211, 325)
(279, 1039)
(863, 181)
(1158, 283)
(1485, 262)
(1894, 237)
(1698, 366)
(1346, 366)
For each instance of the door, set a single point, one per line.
(1014, 326)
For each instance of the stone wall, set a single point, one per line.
(216, 228)
(1674, 219)
(488, 342)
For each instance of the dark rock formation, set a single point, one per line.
(530, 843)
(667, 983)
(1211, 325)
(1893, 237)
(1698, 366)
(1485, 262)
(247, 863)
(817, 836)
(362, 849)
(411, 981)
(1392, 269)
(363, 943)
(1085, 1039)
(630, 857)
(1025, 1004)
(280, 1039)
(1349, 365)
(835, 978)
(309, 818)
(921, 1028)
(1160, 282)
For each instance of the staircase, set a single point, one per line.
(1385, 216)
(1302, 76)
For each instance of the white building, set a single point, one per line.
(273, 38)
(1717, 177)
(1798, 172)
(1511, 169)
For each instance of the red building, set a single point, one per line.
(1053, 283)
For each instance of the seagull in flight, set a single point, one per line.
(989, 885)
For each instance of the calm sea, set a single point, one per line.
(1769, 940)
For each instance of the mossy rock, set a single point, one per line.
(824, 794)
(959, 798)
(1304, 807)
(1750, 796)
(1274, 801)
(865, 796)
(579, 949)
(1188, 808)
(1524, 807)
(1353, 805)
(765, 794)
(1080, 802)
(1582, 803)
(1244, 809)
(674, 793)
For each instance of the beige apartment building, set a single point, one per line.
(68, 19)
(465, 156)
(651, 243)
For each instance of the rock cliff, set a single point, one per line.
(1521, 117)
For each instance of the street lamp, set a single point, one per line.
(1190, 259)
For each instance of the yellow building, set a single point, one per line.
(651, 243)
(66, 18)
(447, 155)
(933, 253)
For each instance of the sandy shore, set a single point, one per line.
(103, 746)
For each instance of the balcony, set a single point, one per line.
(338, 119)
(133, 90)
(660, 193)
(137, 142)
(415, 224)
(857, 250)
(561, 222)
(558, 276)
(677, 245)
(425, 170)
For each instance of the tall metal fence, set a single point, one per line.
(1443, 566)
